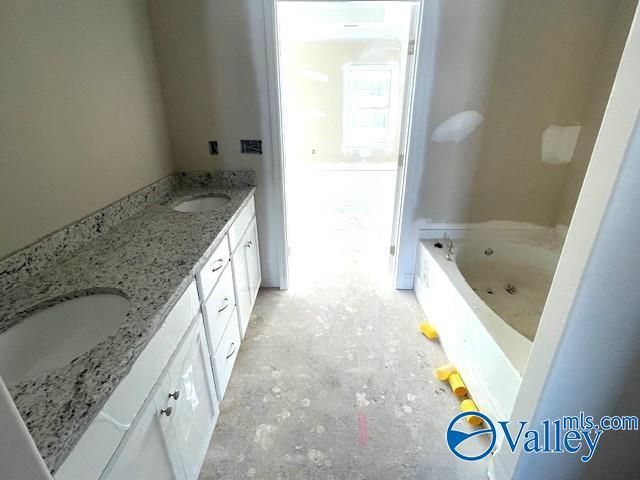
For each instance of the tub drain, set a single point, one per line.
(511, 289)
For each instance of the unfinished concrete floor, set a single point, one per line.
(333, 379)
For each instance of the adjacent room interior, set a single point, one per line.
(343, 70)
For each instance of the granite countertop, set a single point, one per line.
(150, 258)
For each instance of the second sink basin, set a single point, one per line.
(52, 337)
(204, 203)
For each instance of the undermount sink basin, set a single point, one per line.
(202, 204)
(52, 337)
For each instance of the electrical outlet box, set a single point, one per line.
(251, 146)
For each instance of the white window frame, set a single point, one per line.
(348, 141)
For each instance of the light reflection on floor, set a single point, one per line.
(339, 223)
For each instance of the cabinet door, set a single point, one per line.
(149, 451)
(243, 292)
(196, 404)
(253, 260)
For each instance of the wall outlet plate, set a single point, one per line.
(213, 147)
(251, 146)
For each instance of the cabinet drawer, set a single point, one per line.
(218, 307)
(240, 224)
(226, 354)
(214, 267)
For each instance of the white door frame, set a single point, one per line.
(414, 153)
(277, 141)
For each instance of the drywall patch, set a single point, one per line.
(559, 143)
(457, 127)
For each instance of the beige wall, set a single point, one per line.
(303, 95)
(524, 66)
(620, 22)
(547, 60)
(213, 68)
(82, 121)
(466, 37)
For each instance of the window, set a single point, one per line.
(367, 106)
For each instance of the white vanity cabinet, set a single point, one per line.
(171, 436)
(151, 450)
(247, 274)
(218, 307)
(194, 399)
(159, 420)
(225, 355)
(252, 251)
(130, 400)
(243, 292)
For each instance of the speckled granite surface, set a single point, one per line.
(151, 257)
(60, 245)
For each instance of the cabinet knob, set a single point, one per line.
(175, 394)
(248, 244)
(166, 411)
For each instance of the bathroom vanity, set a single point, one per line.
(143, 403)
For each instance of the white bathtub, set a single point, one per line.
(486, 303)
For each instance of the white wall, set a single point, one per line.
(82, 122)
(213, 70)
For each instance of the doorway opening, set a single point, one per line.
(345, 71)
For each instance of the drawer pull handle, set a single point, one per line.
(166, 411)
(220, 263)
(175, 395)
(232, 350)
(225, 305)
(249, 244)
